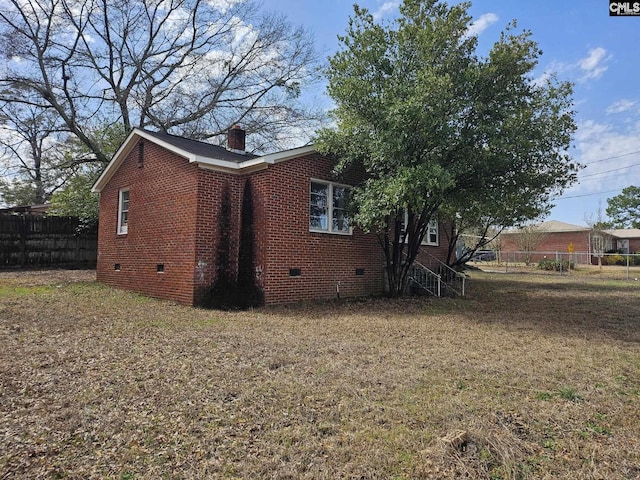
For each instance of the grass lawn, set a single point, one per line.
(540, 373)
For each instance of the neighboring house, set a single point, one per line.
(555, 237)
(38, 210)
(178, 217)
(625, 240)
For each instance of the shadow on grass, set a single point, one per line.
(562, 306)
(559, 305)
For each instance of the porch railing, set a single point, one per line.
(447, 282)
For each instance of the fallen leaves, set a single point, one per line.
(99, 383)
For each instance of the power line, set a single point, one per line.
(615, 175)
(613, 170)
(601, 178)
(611, 158)
(587, 195)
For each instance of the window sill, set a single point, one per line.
(425, 244)
(327, 232)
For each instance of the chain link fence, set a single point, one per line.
(613, 265)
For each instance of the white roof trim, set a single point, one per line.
(209, 163)
(126, 148)
(212, 163)
(287, 154)
(231, 167)
(115, 162)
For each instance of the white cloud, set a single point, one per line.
(555, 69)
(593, 65)
(588, 68)
(541, 80)
(593, 59)
(621, 106)
(481, 24)
(223, 6)
(611, 156)
(386, 8)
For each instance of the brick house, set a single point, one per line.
(177, 216)
(557, 236)
(625, 240)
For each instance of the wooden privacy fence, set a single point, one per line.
(30, 241)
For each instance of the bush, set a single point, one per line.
(616, 259)
(554, 265)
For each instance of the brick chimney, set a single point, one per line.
(236, 139)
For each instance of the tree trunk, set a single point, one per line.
(393, 251)
(401, 247)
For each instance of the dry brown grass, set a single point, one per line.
(542, 373)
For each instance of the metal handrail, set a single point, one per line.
(450, 270)
(428, 272)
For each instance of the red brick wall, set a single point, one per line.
(552, 243)
(634, 245)
(432, 256)
(174, 221)
(559, 242)
(212, 187)
(161, 226)
(327, 262)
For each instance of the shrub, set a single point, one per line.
(554, 265)
(546, 264)
(616, 259)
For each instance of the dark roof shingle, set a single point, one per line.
(202, 149)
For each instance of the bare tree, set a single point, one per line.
(472, 235)
(29, 147)
(599, 239)
(192, 67)
(528, 238)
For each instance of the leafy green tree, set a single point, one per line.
(17, 192)
(434, 127)
(624, 209)
(75, 198)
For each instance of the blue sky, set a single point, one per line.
(580, 43)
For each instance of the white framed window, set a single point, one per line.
(623, 246)
(431, 236)
(123, 212)
(328, 208)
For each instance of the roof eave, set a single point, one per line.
(230, 167)
(126, 148)
(115, 162)
(277, 157)
(208, 163)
